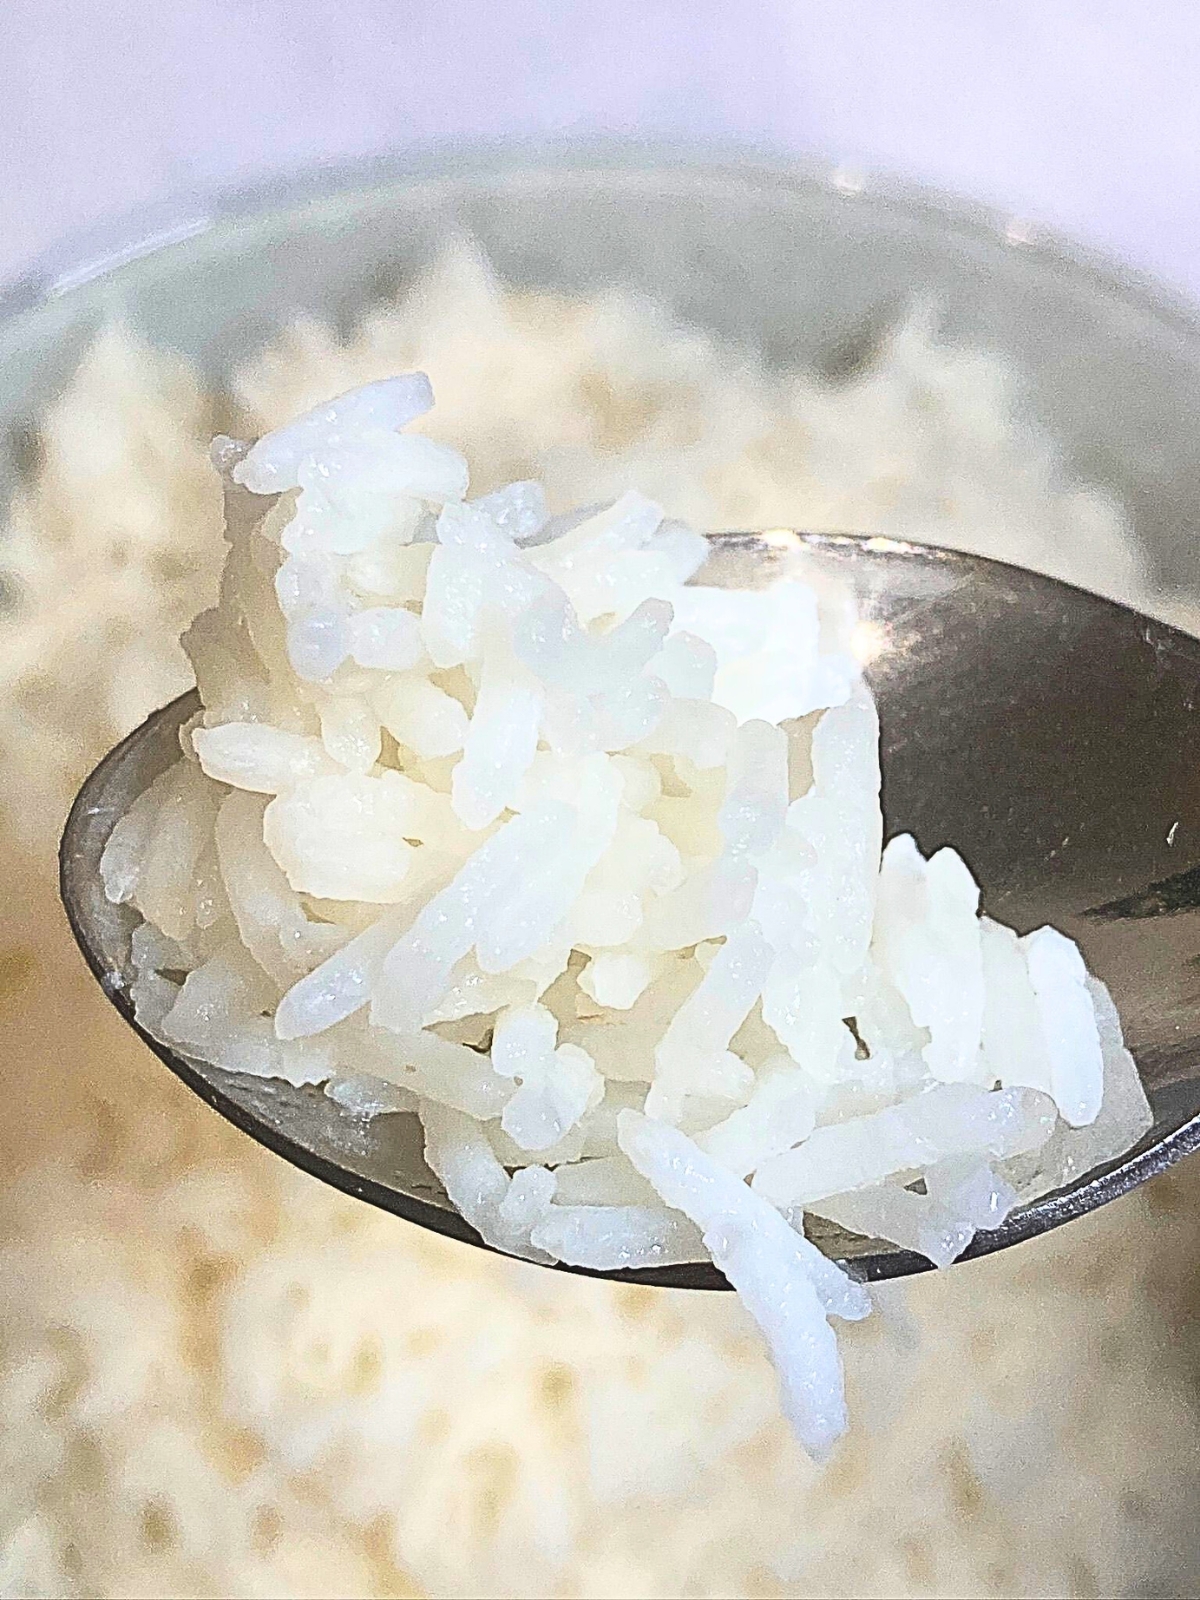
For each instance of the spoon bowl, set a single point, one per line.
(1050, 736)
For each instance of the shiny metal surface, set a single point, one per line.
(1051, 736)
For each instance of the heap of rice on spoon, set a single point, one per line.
(497, 818)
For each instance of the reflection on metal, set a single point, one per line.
(868, 641)
(1166, 898)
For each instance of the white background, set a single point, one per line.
(1080, 113)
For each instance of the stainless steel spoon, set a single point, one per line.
(1050, 736)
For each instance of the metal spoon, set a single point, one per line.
(1050, 736)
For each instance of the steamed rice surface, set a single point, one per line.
(530, 938)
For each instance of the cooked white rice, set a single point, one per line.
(222, 1378)
(496, 935)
